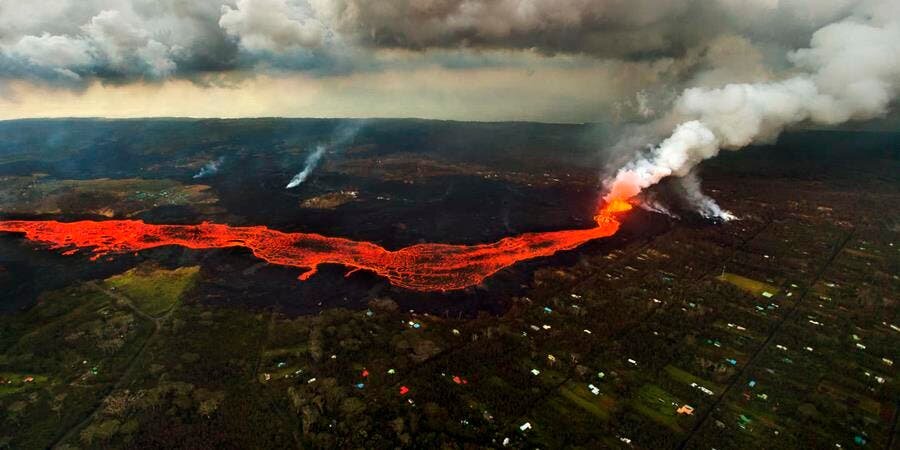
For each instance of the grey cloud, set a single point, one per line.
(601, 26)
(271, 25)
(705, 42)
(67, 41)
(609, 28)
(53, 51)
(122, 44)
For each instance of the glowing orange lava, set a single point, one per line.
(422, 267)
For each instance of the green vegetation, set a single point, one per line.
(659, 405)
(76, 343)
(581, 396)
(39, 194)
(684, 377)
(153, 290)
(11, 383)
(750, 285)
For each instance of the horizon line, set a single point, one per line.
(98, 118)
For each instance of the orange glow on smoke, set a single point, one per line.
(422, 267)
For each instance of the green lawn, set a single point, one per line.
(687, 378)
(658, 405)
(18, 382)
(154, 291)
(748, 284)
(580, 395)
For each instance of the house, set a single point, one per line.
(686, 409)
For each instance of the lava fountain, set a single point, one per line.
(421, 267)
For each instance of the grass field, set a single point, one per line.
(686, 378)
(579, 395)
(15, 382)
(658, 405)
(154, 290)
(750, 285)
(108, 197)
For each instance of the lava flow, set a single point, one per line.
(422, 267)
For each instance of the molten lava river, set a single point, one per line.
(422, 267)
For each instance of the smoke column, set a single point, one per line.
(311, 162)
(210, 168)
(706, 206)
(851, 71)
(343, 135)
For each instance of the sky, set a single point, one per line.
(536, 60)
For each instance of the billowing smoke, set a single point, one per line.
(851, 71)
(311, 162)
(210, 168)
(649, 202)
(705, 205)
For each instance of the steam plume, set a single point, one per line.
(342, 136)
(311, 162)
(851, 71)
(210, 168)
(706, 206)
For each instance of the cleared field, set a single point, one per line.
(687, 378)
(329, 200)
(10, 383)
(748, 284)
(154, 291)
(39, 194)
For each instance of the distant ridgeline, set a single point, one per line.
(94, 148)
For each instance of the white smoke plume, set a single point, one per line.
(311, 162)
(344, 134)
(851, 71)
(706, 206)
(650, 203)
(210, 168)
